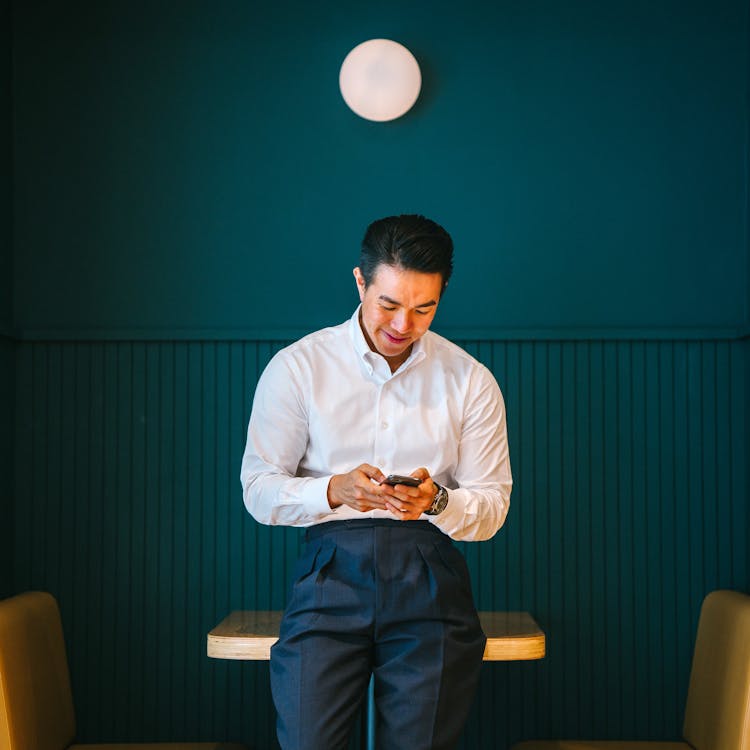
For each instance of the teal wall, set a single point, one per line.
(187, 193)
(197, 169)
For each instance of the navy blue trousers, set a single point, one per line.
(391, 598)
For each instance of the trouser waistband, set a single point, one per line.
(334, 527)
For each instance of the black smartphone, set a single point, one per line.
(393, 479)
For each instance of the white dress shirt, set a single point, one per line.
(327, 404)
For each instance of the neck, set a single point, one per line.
(395, 362)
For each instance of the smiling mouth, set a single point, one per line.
(394, 339)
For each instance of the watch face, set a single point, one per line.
(438, 505)
(442, 501)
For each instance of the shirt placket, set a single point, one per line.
(383, 444)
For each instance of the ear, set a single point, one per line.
(361, 285)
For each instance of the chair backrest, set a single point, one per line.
(717, 714)
(36, 704)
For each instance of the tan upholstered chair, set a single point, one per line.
(36, 705)
(717, 714)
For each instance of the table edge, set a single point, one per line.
(527, 647)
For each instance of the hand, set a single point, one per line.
(408, 503)
(357, 490)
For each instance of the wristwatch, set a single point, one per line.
(439, 502)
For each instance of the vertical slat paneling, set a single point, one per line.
(555, 518)
(610, 541)
(136, 551)
(630, 503)
(652, 673)
(638, 518)
(236, 542)
(598, 543)
(165, 519)
(541, 688)
(152, 443)
(7, 410)
(620, 487)
(123, 531)
(566, 639)
(740, 461)
(672, 713)
(178, 612)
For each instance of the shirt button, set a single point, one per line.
(384, 425)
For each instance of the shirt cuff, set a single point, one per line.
(314, 497)
(453, 515)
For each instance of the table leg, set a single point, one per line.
(371, 714)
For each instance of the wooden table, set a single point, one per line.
(248, 635)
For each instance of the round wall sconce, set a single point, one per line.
(380, 80)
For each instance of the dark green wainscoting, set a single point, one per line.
(7, 387)
(630, 504)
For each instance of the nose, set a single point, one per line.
(401, 321)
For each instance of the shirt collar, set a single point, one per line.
(358, 337)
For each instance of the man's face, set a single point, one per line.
(397, 309)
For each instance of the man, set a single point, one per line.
(380, 587)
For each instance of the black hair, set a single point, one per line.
(409, 241)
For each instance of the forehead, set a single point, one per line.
(395, 280)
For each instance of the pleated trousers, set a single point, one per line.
(382, 597)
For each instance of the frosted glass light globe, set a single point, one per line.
(380, 80)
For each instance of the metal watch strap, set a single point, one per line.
(439, 502)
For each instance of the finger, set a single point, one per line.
(365, 505)
(377, 501)
(370, 493)
(421, 473)
(372, 472)
(362, 499)
(397, 495)
(406, 504)
(398, 510)
(406, 494)
(399, 503)
(416, 501)
(381, 490)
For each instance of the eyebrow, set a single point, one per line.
(390, 301)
